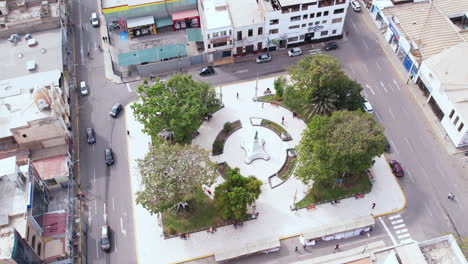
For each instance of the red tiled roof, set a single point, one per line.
(51, 168)
(54, 224)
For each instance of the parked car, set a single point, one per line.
(387, 146)
(115, 110)
(356, 6)
(109, 157)
(94, 19)
(368, 107)
(83, 88)
(207, 70)
(264, 58)
(90, 135)
(396, 168)
(331, 46)
(105, 238)
(294, 52)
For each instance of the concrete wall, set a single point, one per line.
(163, 66)
(31, 26)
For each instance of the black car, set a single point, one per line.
(90, 134)
(207, 70)
(331, 46)
(115, 110)
(387, 146)
(108, 156)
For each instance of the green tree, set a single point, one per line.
(234, 195)
(280, 85)
(171, 173)
(339, 145)
(319, 86)
(177, 105)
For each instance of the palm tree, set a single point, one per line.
(321, 103)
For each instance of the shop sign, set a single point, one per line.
(395, 32)
(218, 40)
(314, 28)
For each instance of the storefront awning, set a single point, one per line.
(182, 15)
(163, 22)
(140, 21)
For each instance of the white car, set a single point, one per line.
(356, 6)
(94, 19)
(368, 107)
(294, 52)
(83, 88)
(105, 241)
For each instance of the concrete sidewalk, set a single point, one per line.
(276, 218)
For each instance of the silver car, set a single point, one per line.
(105, 241)
(264, 58)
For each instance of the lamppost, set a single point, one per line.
(367, 243)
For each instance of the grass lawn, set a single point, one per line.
(350, 187)
(288, 168)
(267, 98)
(273, 126)
(201, 215)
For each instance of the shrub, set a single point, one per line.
(227, 127)
(217, 146)
(172, 230)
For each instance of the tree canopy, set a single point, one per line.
(234, 195)
(342, 144)
(319, 87)
(177, 105)
(170, 173)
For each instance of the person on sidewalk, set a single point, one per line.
(237, 95)
(128, 132)
(373, 205)
(282, 120)
(337, 248)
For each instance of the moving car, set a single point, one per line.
(331, 46)
(396, 168)
(368, 107)
(207, 70)
(264, 58)
(115, 110)
(356, 6)
(83, 88)
(94, 19)
(294, 52)
(105, 241)
(109, 157)
(90, 135)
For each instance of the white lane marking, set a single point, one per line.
(93, 147)
(365, 43)
(372, 91)
(383, 86)
(409, 144)
(105, 213)
(404, 236)
(129, 88)
(95, 207)
(429, 210)
(97, 249)
(401, 231)
(399, 226)
(92, 117)
(124, 232)
(365, 67)
(115, 243)
(94, 174)
(241, 71)
(378, 117)
(113, 204)
(394, 217)
(354, 25)
(396, 84)
(90, 218)
(394, 146)
(391, 113)
(388, 231)
(406, 241)
(378, 65)
(365, 95)
(397, 221)
(411, 177)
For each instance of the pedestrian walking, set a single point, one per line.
(103, 38)
(237, 95)
(373, 205)
(82, 28)
(282, 120)
(296, 250)
(256, 214)
(347, 33)
(128, 132)
(262, 105)
(235, 226)
(337, 248)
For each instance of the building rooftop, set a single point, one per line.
(13, 196)
(7, 236)
(216, 14)
(47, 54)
(426, 26)
(50, 168)
(246, 12)
(451, 72)
(18, 102)
(454, 8)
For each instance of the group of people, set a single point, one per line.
(184, 236)
(238, 224)
(267, 91)
(211, 230)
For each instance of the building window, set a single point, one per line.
(311, 24)
(39, 248)
(338, 11)
(304, 16)
(325, 3)
(460, 127)
(318, 22)
(215, 35)
(319, 14)
(306, 6)
(219, 44)
(230, 32)
(334, 32)
(250, 33)
(325, 13)
(33, 241)
(260, 31)
(304, 25)
(223, 33)
(451, 114)
(239, 35)
(324, 21)
(301, 37)
(295, 8)
(208, 35)
(293, 27)
(456, 120)
(337, 20)
(209, 46)
(293, 39)
(324, 33)
(312, 15)
(274, 21)
(295, 18)
(273, 31)
(339, 2)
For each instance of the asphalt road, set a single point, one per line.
(431, 172)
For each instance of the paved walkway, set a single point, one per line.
(275, 219)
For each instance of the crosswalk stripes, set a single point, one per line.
(399, 227)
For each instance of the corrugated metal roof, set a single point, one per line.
(454, 8)
(426, 26)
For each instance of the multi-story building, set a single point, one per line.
(216, 28)
(294, 21)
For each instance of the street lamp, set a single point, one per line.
(367, 243)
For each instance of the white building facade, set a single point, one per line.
(293, 21)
